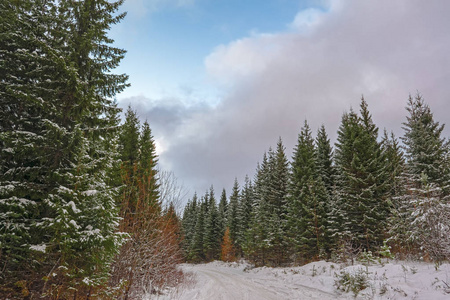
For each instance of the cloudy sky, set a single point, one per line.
(221, 80)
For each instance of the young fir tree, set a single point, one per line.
(222, 217)
(147, 170)
(212, 237)
(278, 179)
(324, 158)
(196, 250)
(57, 91)
(338, 218)
(129, 154)
(256, 242)
(426, 151)
(362, 181)
(395, 164)
(277, 195)
(327, 172)
(423, 210)
(188, 223)
(245, 210)
(307, 201)
(265, 242)
(232, 214)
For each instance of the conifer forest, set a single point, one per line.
(368, 192)
(87, 213)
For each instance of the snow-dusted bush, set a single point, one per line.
(355, 282)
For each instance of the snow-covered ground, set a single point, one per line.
(318, 280)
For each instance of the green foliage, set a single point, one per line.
(212, 233)
(324, 159)
(232, 213)
(421, 210)
(307, 204)
(344, 203)
(245, 210)
(385, 251)
(426, 151)
(352, 281)
(223, 210)
(58, 126)
(362, 181)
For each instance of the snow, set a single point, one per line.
(90, 192)
(317, 280)
(40, 248)
(74, 224)
(73, 207)
(21, 202)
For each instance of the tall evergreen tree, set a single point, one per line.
(265, 242)
(426, 151)
(223, 209)
(277, 200)
(395, 164)
(324, 157)
(245, 210)
(147, 169)
(278, 179)
(129, 154)
(232, 217)
(308, 198)
(362, 181)
(212, 236)
(196, 251)
(421, 214)
(188, 223)
(256, 242)
(57, 90)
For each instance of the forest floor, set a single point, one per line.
(317, 280)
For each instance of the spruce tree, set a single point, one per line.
(129, 154)
(223, 208)
(307, 201)
(196, 250)
(422, 210)
(278, 179)
(277, 200)
(212, 237)
(395, 164)
(57, 91)
(362, 182)
(256, 245)
(265, 242)
(188, 223)
(245, 210)
(324, 158)
(426, 152)
(147, 169)
(232, 216)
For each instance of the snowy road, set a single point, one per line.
(395, 280)
(215, 281)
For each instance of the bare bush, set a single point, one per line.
(147, 262)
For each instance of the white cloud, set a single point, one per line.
(382, 49)
(307, 18)
(241, 59)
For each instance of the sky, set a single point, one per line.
(220, 81)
